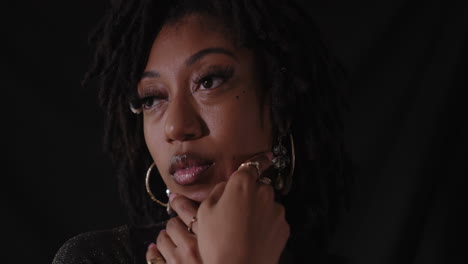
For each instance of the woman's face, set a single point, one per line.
(203, 113)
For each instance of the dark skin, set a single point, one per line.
(203, 99)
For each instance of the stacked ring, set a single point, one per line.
(265, 180)
(255, 164)
(189, 228)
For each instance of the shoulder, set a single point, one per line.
(105, 246)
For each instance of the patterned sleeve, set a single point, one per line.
(100, 247)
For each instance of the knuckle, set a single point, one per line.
(175, 203)
(220, 185)
(191, 250)
(185, 205)
(181, 203)
(236, 177)
(240, 180)
(239, 188)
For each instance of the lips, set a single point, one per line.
(187, 169)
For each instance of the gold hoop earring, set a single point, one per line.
(150, 193)
(281, 161)
(292, 166)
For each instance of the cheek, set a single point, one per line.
(240, 127)
(154, 139)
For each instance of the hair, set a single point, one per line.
(296, 69)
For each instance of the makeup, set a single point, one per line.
(187, 169)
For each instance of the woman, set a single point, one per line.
(234, 113)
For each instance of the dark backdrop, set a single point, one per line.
(406, 129)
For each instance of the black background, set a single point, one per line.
(406, 130)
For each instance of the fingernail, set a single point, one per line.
(151, 246)
(172, 196)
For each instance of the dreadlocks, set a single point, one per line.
(294, 67)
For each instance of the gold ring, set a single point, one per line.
(255, 164)
(189, 228)
(265, 180)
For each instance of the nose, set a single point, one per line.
(183, 121)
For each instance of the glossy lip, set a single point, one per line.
(187, 168)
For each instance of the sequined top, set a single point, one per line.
(119, 245)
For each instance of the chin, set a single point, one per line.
(197, 194)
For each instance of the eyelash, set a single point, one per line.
(152, 95)
(223, 73)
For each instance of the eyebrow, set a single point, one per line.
(202, 53)
(150, 74)
(193, 59)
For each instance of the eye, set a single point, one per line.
(211, 82)
(214, 77)
(150, 102)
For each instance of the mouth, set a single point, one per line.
(188, 169)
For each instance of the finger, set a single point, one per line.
(153, 256)
(244, 179)
(186, 242)
(165, 246)
(263, 160)
(265, 193)
(186, 209)
(215, 194)
(179, 234)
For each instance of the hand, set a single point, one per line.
(176, 244)
(240, 222)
